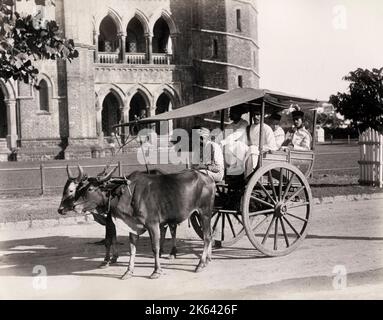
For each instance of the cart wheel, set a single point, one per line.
(276, 208)
(227, 222)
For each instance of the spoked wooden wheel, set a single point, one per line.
(276, 209)
(226, 223)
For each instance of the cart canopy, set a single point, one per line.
(249, 98)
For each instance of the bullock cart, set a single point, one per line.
(274, 204)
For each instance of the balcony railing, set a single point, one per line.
(162, 58)
(107, 57)
(135, 58)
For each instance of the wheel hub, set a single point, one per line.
(280, 209)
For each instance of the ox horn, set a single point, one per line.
(69, 172)
(80, 172)
(108, 176)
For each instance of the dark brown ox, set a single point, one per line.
(75, 184)
(149, 202)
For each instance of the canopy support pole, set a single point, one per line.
(222, 120)
(261, 134)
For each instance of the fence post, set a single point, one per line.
(331, 137)
(42, 177)
(380, 160)
(348, 139)
(120, 168)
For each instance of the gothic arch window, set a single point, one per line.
(139, 109)
(3, 116)
(43, 96)
(135, 38)
(163, 104)
(161, 37)
(111, 114)
(108, 39)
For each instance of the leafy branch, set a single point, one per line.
(26, 39)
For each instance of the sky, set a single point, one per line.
(308, 46)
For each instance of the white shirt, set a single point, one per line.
(211, 156)
(279, 135)
(235, 132)
(267, 137)
(235, 147)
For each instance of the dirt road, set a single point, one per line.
(342, 258)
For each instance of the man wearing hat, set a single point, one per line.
(299, 138)
(235, 143)
(279, 134)
(207, 155)
(268, 142)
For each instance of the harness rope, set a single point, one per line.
(121, 146)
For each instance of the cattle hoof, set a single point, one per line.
(200, 268)
(127, 275)
(104, 265)
(156, 275)
(114, 260)
(217, 244)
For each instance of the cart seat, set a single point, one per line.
(303, 160)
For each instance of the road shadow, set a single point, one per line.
(62, 255)
(312, 236)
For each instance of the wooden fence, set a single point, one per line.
(371, 158)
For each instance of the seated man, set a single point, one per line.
(298, 138)
(253, 142)
(207, 155)
(235, 142)
(279, 134)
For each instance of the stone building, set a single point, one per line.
(136, 58)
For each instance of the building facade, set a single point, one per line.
(137, 58)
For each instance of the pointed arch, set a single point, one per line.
(162, 13)
(143, 90)
(8, 90)
(108, 88)
(109, 12)
(140, 16)
(44, 95)
(171, 92)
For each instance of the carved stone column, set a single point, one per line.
(124, 119)
(96, 36)
(12, 126)
(122, 40)
(149, 48)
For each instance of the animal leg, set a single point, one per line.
(173, 232)
(207, 239)
(155, 238)
(163, 230)
(114, 245)
(133, 238)
(110, 232)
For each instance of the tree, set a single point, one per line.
(25, 39)
(363, 104)
(329, 120)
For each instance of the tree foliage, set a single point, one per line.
(25, 39)
(329, 120)
(363, 104)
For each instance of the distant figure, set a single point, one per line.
(235, 143)
(253, 142)
(279, 134)
(207, 155)
(137, 127)
(298, 138)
